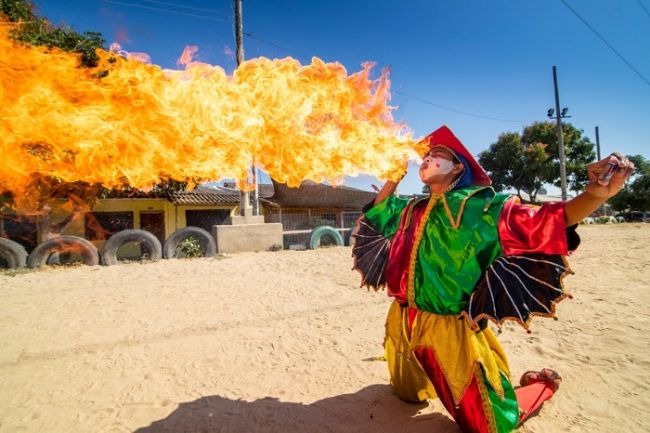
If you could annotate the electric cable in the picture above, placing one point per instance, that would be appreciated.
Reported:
(606, 43)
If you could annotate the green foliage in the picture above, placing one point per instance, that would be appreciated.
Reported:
(513, 164)
(635, 196)
(529, 160)
(39, 31)
(190, 247)
(17, 10)
(578, 150)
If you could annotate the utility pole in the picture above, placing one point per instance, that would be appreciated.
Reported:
(597, 145)
(560, 136)
(239, 30)
(244, 196)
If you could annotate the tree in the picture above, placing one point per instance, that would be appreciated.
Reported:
(578, 151)
(36, 30)
(527, 161)
(515, 165)
(45, 192)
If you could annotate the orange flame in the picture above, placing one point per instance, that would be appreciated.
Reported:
(139, 124)
(188, 54)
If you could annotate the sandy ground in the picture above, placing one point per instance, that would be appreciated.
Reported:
(287, 342)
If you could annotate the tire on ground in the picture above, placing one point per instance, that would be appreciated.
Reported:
(348, 239)
(319, 232)
(63, 244)
(206, 239)
(13, 253)
(145, 238)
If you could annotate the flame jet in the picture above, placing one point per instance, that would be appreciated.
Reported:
(126, 123)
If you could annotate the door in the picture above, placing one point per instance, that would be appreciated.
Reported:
(154, 222)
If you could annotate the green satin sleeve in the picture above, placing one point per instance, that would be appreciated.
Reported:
(385, 216)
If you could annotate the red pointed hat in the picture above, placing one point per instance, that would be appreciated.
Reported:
(443, 136)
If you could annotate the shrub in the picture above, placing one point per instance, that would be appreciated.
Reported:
(606, 220)
(190, 247)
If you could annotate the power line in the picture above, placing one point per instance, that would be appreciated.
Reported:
(280, 47)
(607, 43)
(644, 8)
(178, 5)
(291, 51)
(173, 12)
(454, 110)
(480, 116)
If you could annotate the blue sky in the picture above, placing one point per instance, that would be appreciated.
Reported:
(482, 68)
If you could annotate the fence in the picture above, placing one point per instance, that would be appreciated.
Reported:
(297, 224)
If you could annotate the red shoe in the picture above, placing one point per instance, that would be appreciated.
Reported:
(536, 388)
(550, 377)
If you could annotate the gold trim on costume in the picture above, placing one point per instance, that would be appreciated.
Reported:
(455, 223)
(409, 210)
(416, 243)
(487, 405)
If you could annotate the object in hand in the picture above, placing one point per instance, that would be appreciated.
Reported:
(606, 175)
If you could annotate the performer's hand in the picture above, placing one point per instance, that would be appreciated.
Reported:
(390, 187)
(404, 172)
(397, 175)
(602, 189)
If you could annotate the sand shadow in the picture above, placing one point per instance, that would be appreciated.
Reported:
(373, 409)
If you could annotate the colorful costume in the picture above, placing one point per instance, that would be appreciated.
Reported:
(451, 261)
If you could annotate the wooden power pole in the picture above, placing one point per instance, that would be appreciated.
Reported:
(560, 137)
(597, 145)
(244, 196)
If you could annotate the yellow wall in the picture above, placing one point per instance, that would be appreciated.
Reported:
(174, 215)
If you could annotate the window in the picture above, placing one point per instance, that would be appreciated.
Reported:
(21, 229)
(323, 219)
(205, 219)
(350, 218)
(102, 225)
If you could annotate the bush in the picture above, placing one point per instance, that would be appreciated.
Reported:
(190, 247)
(606, 220)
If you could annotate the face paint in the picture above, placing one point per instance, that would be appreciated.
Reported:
(438, 165)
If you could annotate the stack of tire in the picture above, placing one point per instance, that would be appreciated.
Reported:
(15, 255)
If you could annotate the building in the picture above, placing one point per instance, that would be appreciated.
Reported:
(312, 204)
(298, 209)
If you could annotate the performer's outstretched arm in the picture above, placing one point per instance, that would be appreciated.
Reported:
(387, 190)
(595, 194)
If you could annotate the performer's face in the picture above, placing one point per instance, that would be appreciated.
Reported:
(439, 167)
